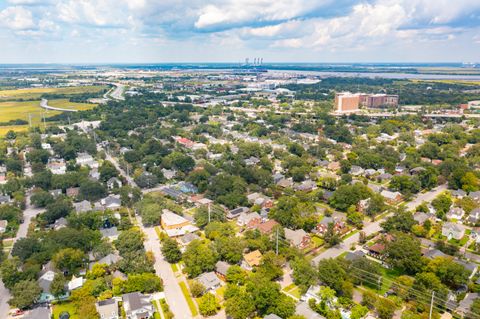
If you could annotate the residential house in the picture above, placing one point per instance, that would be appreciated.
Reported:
(168, 173)
(83, 206)
(56, 192)
(45, 281)
(75, 283)
(187, 239)
(285, 182)
(114, 182)
(356, 170)
(456, 213)
(111, 202)
(458, 193)
(73, 191)
(272, 316)
(312, 293)
(221, 269)
(421, 217)
(245, 218)
(252, 259)
(57, 167)
(108, 260)
(85, 159)
(209, 280)
(351, 256)
(474, 216)
(265, 227)
(137, 306)
(108, 309)
(109, 233)
(433, 253)
(453, 230)
(4, 199)
(60, 223)
(306, 186)
(234, 213)
(298, 238)
(391, 197)
(475, 196)
(3, 225)
(176, 225)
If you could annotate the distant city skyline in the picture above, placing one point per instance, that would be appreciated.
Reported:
(154, 31)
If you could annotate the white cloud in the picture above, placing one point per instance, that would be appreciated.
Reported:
(17, 18)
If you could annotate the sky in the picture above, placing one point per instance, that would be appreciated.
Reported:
(156, 31)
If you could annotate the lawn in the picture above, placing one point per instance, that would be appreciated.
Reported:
(174, 267)
(64, 306)
(190, 302)
(317, 241)
(293, 290)
(220, 292)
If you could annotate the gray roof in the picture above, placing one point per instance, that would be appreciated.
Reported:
(109, 232)
(222, 267)
(189, 237)
(272, 316)
(433, 253)
(209, 280)
(83, 206)
(135, 301)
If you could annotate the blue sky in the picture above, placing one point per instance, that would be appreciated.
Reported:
(115, 31)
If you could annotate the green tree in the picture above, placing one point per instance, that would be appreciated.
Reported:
(385, 308)
(107, 170)
(171, 251)
(442, 204)
(240, 306)
(208, 305)
(58, 286)
(199, 257)
(331, 273)
(24, 294)
(348, 195)
(331, 236)
(92, 190)
(69, 260)
(404, 253)
(41, 198)
(202, 214)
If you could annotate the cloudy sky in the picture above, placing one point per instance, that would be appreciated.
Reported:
(99, 31)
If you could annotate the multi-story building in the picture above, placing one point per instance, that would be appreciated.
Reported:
(347, 102)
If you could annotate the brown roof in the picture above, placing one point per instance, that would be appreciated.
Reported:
(253, 258)
(377, 248)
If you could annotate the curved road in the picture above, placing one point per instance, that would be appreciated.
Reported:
(44, 104)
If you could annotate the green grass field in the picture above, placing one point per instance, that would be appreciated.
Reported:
(190, 302)
(66, 104)
(64, 306)
(36, 93)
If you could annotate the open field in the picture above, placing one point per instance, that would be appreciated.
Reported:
(36, 93)
(16, 128)
(64, 306)
(20, 110)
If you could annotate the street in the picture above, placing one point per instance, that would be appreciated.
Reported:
(173, 293)
(374, 227)
(29, 213)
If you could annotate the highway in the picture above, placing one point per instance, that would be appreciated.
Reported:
(117, 93)
(374, 227)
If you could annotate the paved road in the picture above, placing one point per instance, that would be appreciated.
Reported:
(29, 213)
(115, 163)
(374, 227)
(44, 104)
(117, 93)
(173, 293)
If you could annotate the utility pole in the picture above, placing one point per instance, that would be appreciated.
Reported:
(209, 212)
(276, 244)
(431, 305)
(379, 282)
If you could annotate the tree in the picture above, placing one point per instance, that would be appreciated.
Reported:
(401, 221)
(197, 289)
(331, 236)
(146, 180)
(171, 251)
(68, 259)
(236, 275)
(448, 271)
(404, 253)
(348, 195)
(405, 184)
(129, 241)
(60, 208)
(41, 198)
(202, 214)
(358, 312)
(208, 305)
(376, 205)
(385, 308)
(144, 282)
(442, 204)
(331, 273)
(198, 258)
(107, 170)
(58, 286)
(92, 190)
(229, 249)
(24, 294)
(304, 275)
(474, 310)
(25, 247)
(240, 306)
